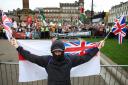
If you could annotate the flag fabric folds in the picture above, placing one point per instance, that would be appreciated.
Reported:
(30, 72)
(120, 28)
(7, 24)
(78, 47)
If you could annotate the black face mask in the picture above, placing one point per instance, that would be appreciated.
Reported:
(58, 58)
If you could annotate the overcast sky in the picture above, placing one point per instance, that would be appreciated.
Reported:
(99, 5)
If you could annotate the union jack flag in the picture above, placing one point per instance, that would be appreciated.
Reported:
(120, 28)
(78, 47)
(7, 24)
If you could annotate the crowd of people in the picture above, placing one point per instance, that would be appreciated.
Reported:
(36, 30)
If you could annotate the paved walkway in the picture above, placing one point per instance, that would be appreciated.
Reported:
(7, 52)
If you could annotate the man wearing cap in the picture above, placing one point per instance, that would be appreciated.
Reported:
(58, 65)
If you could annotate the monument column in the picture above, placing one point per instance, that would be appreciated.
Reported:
(25, 11)
(25, 4)
(25, 7)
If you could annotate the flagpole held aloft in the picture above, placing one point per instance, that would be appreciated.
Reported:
(107, 36)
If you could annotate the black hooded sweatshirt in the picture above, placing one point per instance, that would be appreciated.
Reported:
(58, 71)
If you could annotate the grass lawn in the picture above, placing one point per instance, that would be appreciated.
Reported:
(117, 53)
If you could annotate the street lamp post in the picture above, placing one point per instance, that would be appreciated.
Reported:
(91, 12)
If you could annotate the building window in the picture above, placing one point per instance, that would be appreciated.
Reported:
(63, 10)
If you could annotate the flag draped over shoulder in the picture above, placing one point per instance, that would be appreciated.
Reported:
(30, 72)
(120, 28)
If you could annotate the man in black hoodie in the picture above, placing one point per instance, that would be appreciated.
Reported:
(58, 65)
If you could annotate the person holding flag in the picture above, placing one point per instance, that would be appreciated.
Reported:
(58, 65)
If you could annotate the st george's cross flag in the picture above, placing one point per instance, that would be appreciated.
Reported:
(31, 72)
(120, 28)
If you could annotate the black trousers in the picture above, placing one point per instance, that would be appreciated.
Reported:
(59, 82)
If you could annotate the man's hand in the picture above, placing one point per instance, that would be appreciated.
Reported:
(13, 42)
(101, 44)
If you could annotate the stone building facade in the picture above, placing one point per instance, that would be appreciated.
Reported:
(67, 12)
(117, 11)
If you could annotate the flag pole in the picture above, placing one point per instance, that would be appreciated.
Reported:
(107, 36)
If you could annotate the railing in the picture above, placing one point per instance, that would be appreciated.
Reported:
(110, 75)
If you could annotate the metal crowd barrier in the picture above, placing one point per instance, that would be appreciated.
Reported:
(110, 75)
